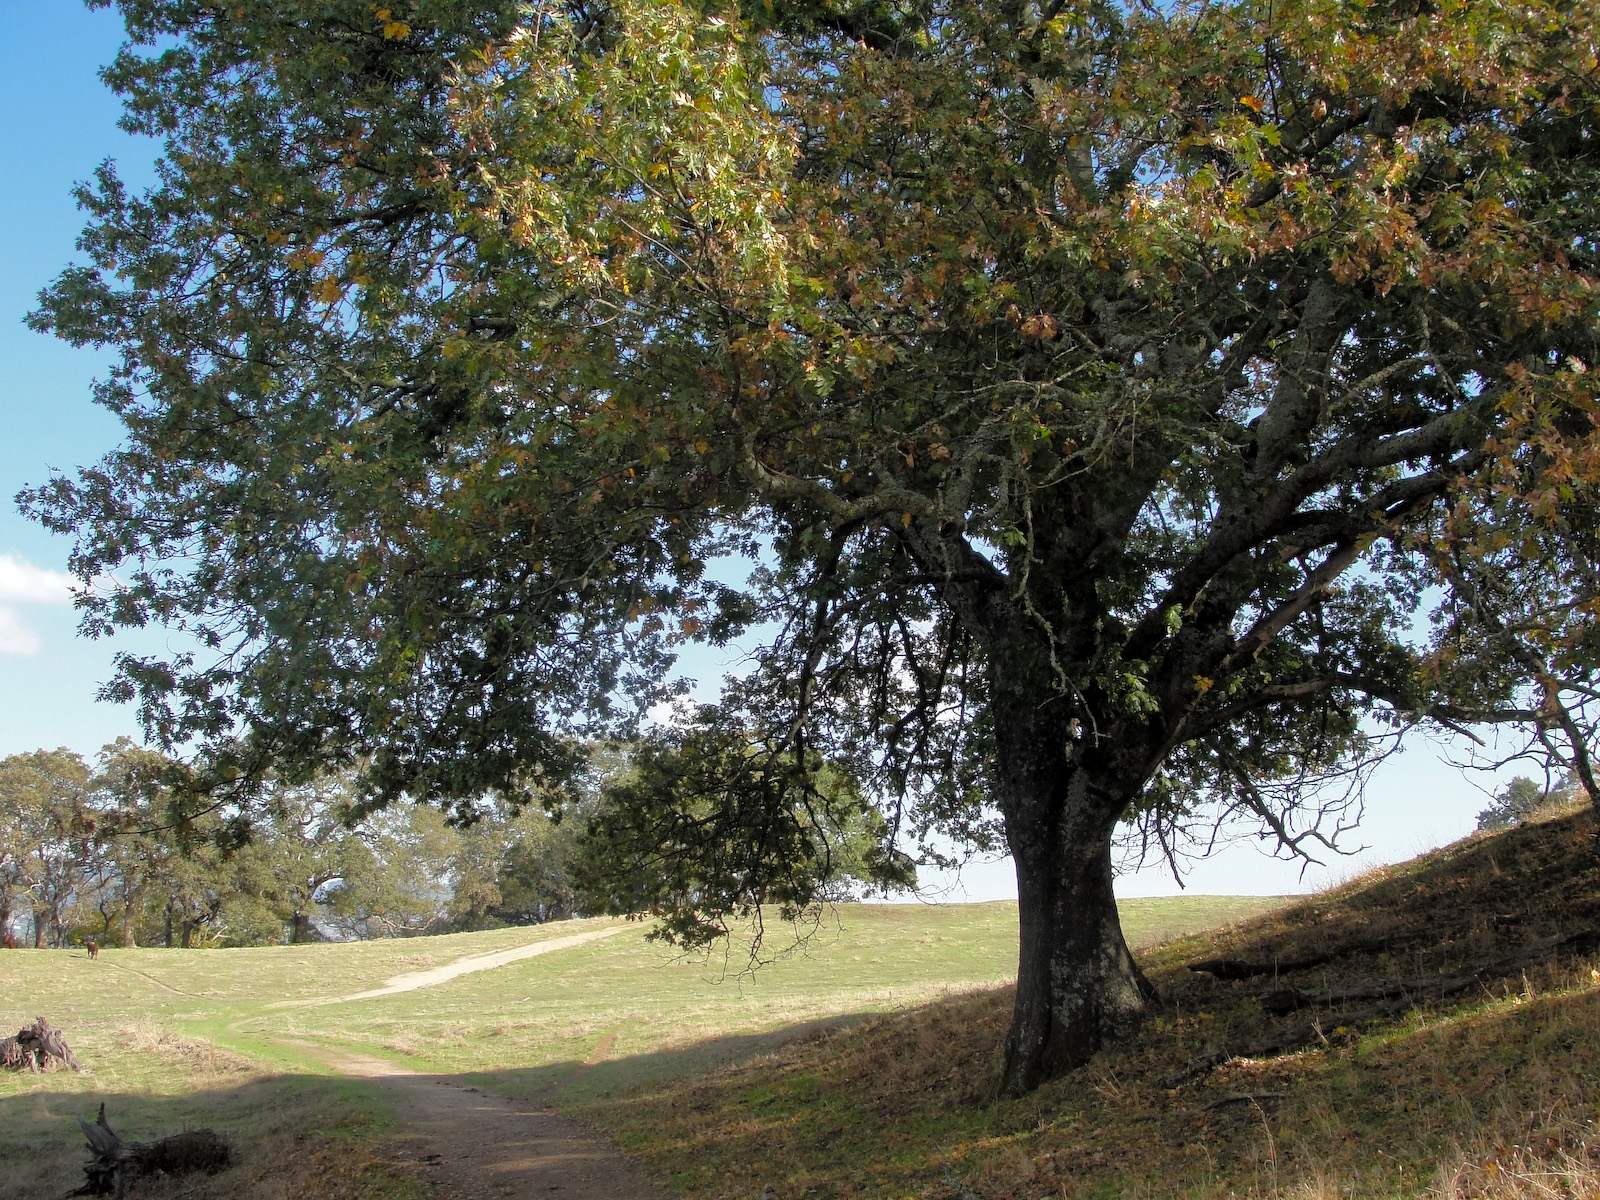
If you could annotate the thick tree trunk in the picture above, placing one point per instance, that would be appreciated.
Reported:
(1078, 988)
(41, 927)
(299, 928)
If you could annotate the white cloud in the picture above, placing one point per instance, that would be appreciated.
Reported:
(23, 583)
(15, 637)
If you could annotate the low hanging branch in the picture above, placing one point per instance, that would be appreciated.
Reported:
(39, 1047)
(117, 1165)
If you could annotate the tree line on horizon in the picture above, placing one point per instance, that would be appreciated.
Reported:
(90, 851)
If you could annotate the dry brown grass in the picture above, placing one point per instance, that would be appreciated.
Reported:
(1493, 1094)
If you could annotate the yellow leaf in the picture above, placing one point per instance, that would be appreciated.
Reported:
(1251, 103)
(395, 30)
(905, 519)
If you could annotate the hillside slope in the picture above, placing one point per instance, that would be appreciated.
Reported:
(1472, 1073)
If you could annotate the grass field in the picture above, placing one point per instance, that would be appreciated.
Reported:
(174, 1037)
(864, 1063)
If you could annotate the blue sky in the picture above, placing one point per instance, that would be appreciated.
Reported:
(59, 123)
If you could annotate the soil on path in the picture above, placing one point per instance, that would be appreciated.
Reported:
(462, 966)
(468, 1144)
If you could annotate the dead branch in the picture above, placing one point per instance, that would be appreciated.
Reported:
(1238, 968)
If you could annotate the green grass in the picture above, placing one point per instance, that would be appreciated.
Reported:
(864, 1062)
(1492, 1094)
(174, 1036)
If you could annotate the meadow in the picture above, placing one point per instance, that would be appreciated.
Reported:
(225, 1037)
(864, 1062)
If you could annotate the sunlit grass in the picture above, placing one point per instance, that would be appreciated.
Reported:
(174, 1037)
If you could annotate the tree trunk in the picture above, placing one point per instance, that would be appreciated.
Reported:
(299, 928)
(1078, 988)
(168, 931)
(41, 927)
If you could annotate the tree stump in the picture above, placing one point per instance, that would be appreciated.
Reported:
(117, 1164)
(39, 1047)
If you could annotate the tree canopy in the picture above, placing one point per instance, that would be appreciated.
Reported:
(1132, 410)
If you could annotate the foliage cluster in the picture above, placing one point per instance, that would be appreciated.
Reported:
(1523, 799)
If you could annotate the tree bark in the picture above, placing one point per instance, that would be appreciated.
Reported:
(1078, 988)
(41, 927)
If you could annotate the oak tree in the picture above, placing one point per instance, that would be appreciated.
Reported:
(1132, 410)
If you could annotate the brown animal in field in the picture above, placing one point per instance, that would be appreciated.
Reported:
(92, 946)
(9, 941)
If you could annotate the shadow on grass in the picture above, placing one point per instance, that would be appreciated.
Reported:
(571, 1082)
(278, 1126)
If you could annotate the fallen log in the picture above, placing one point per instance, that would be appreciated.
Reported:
(1239, 968)
(39, 1047)
(1287, 1000)
(117, 1165)
(1243, 968)
(1396, 996)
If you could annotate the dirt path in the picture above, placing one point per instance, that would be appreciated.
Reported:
(462, 966)
(468, 1144)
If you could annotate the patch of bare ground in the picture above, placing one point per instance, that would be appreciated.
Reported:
(463, 1142)
(1489, 1090)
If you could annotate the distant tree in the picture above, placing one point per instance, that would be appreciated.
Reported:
(302, 845)
(131, 835)
(1523, 798)
(692, 828)
(13, 864)
(536, 875)
(1105, 389)
(398, 881)
(44, 801)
